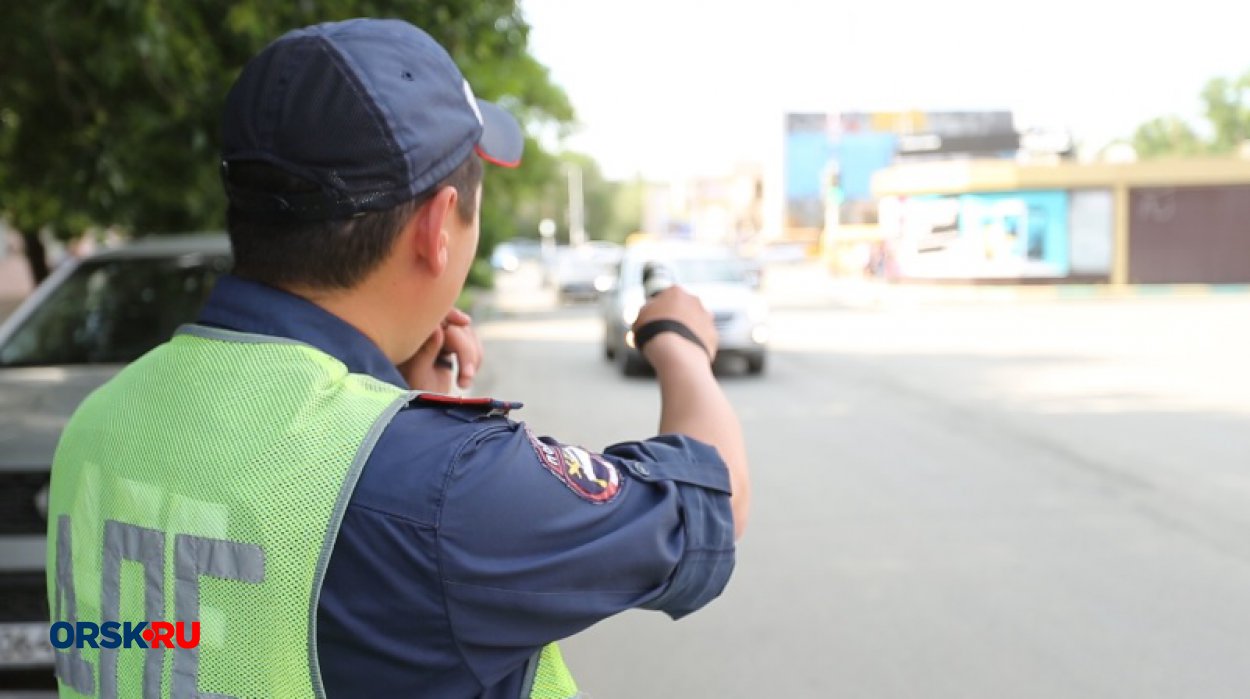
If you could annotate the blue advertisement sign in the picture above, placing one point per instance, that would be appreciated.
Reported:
(985, 235)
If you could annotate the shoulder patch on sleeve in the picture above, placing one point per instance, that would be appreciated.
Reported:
(590, 476)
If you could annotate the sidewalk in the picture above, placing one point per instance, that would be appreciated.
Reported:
(809, 285)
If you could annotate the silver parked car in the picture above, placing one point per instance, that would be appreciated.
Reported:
(725, 284)
(79, 328)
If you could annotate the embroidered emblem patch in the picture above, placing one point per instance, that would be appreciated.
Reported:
(590, 476)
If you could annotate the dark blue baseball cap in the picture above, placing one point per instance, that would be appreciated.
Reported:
(370, 113)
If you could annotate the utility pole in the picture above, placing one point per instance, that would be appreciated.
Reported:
(577, 225)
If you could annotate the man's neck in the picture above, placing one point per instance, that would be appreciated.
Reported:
(371, 312)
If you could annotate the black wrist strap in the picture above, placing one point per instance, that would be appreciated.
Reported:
(648, 331)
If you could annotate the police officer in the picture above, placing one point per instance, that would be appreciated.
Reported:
(289, 472)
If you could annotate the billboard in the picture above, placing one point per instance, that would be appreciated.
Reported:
(830, 158)
(808, 151)
(1001, 235)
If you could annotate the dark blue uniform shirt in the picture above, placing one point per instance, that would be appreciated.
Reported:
(469, 544)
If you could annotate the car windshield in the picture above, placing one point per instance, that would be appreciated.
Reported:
(708, 270)
(114, 310)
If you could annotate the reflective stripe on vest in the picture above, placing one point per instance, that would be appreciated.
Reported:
(206, 483)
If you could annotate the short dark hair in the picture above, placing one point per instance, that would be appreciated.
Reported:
(334, 254)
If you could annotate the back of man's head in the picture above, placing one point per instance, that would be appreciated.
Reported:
(328, 254)
(335, 135)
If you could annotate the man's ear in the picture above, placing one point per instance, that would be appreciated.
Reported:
(429, 230)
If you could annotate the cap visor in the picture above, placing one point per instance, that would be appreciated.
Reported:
(502, 141)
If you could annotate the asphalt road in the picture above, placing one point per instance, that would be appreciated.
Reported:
(965, 500)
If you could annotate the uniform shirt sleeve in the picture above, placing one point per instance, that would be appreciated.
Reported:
(539, 540)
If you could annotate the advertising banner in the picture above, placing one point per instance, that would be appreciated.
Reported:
(984, 236)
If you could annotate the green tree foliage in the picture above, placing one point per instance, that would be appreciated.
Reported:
(629, 203)
(1228, 110)
(598, 196)
(1226, 103)
(1167, 136)
(612, 210)
(109, 110)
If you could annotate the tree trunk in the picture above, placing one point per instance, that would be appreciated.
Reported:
(36, 256)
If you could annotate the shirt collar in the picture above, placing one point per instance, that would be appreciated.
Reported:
(251, 307)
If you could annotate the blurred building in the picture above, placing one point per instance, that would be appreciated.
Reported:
(657, 208)
(830, 158)
(1180, 221)
(724, 209)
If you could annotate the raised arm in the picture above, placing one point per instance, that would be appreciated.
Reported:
(692, 402)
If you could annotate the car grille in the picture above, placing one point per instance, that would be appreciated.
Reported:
(23, 597)
(19, 513)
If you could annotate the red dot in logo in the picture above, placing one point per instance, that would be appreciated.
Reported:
(148, 635)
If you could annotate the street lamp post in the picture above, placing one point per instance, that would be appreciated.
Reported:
(547, 233)
(577, 225)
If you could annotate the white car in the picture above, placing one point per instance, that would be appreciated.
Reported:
(725, 284)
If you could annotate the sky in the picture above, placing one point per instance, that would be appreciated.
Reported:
(680, 88)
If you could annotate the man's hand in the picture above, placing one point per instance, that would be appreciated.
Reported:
(432, 368)
(675, 303)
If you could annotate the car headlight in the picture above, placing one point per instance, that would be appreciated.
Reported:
(757, 311)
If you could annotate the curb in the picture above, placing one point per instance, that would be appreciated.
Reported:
(874, 294)
(1070, 292)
